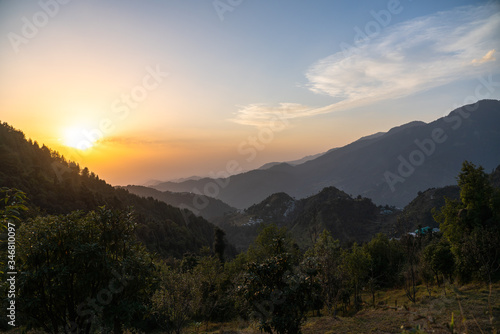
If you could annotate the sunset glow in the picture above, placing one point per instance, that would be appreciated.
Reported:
(77, 138)
(170, 89)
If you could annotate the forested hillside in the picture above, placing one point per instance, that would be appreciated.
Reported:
(55, 186)
(347, 219)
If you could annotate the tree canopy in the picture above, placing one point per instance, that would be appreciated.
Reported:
(82, 271)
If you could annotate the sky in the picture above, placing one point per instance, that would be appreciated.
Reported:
(159, 90)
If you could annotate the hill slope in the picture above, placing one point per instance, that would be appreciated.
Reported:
(55, 186)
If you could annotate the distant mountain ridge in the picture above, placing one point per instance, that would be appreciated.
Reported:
(212, 207)
(390, 168)
(373, 136)
(295, 162)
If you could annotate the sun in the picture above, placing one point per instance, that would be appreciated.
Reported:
(79, 138)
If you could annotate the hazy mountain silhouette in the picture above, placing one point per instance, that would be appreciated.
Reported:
(212, 207)
(390, 168)
(295, 162)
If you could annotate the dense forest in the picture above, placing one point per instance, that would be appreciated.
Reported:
(90, 258)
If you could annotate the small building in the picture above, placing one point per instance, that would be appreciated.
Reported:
(424, 231)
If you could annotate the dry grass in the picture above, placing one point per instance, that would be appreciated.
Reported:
(431, 314)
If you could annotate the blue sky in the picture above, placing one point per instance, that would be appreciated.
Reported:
(333, 71)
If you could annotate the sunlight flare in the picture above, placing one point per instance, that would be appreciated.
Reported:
(79, 138)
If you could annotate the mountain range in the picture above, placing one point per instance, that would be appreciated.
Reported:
(389, 168)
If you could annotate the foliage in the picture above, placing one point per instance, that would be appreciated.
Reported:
(387, 259)
(12, 204)
(357, 265)
(219, 243)
(265, 245)
(412, 247)
(277, 292)
(82, 271)
(174, 304)
(215, 290)
(483, 253)
(439, 259)
(327, 255)
(472, 225)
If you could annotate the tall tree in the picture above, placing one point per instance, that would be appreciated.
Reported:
(328, 257)
(215, 290)
(412, 248)
(472, 224)
(357, 264)
(264, 246)
(278, 293)
(386, 260)
(176, 301)
(219, 243)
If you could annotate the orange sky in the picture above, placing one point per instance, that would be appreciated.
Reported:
(163, 90)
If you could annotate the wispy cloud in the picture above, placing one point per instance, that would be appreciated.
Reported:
(403, 59)
(261, 114)
(486, 58)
